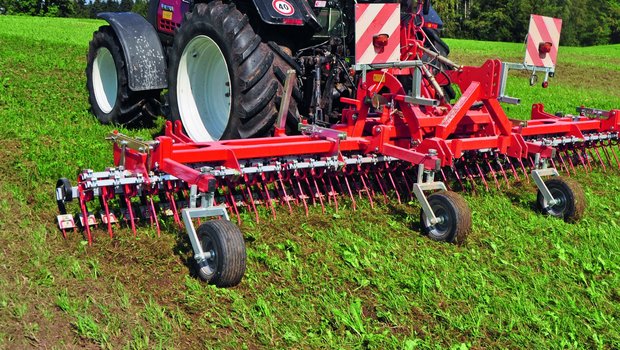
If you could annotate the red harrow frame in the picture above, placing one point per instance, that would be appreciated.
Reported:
(388, 143)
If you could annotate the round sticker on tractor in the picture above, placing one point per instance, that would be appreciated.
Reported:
(283, 7)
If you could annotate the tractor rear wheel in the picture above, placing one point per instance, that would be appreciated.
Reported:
(111, 100)
(222, 78)
(454, 218)
(224, 241)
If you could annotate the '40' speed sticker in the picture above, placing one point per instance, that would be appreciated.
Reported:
(283, 7)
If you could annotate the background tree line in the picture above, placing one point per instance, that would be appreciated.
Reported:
(586, 22)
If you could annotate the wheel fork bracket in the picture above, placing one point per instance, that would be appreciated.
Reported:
(537, 175)
(207, 209)
(427, 184)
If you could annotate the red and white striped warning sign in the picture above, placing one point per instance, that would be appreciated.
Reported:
(377, 33)
(543, 41)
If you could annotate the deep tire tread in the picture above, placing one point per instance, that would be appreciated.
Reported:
(230, 251)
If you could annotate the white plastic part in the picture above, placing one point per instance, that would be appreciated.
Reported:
(204, 90)
(105, 80)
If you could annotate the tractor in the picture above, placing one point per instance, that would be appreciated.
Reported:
(224, 64)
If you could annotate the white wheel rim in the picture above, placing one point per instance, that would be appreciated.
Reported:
(105, 80)
(203, 90)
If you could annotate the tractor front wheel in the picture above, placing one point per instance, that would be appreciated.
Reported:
(111, 100)
(570, 199)
(224, 241)
(454, 218)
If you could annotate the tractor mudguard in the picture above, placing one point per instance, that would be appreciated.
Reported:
(144, 54)
(287, 12)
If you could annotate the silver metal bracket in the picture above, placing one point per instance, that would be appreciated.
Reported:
(537, 175)
(506, 67)
(427, 184)
(206, 210)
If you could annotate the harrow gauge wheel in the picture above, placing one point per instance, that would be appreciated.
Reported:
(453, 214)
(570, 199)
(224, 241)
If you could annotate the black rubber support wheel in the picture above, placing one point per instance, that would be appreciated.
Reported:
(569, 193)
(111, 100)
(66, 193)
(225, 241)
(455, 216)
(222, 77)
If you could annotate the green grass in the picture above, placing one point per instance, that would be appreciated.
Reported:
(352, 279)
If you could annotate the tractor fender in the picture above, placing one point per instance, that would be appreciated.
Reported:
(144, 54)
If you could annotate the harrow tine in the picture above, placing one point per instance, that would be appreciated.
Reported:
(493, 173)
(586, 156)
(302, 196)
(501, 167)
(458, 177)
(394, 185)
(607, 156)
(470, 177)
(381, 187)
(318, 194)
(613, 151)
(84, 220)
(108, 218)
(367, 190)
(484, 180)
(286, 198)
(564, 163)
(332, 192)
(570, 162)
(311, 195)
(583, 163)
(407, 187)
(346, 180)
(233, 203)
(445, 180)
(512, 167)
(527, 178)
(252, 204)
(154, 214)
(173, 206)
(268, 198)
(600, 159)
(132, 222)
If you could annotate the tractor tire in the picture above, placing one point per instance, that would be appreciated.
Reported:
(225, 241)
(222, 78)
(111, 100)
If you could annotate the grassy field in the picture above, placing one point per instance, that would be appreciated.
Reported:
(352, 279)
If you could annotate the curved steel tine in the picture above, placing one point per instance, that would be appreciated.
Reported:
(286, 198)
(512, 167)
(85, 223)
(613, 151)
(318, 194)
(501, 167)
(484, 180)
(153, 214)
(303, 197)
(527, 178)
(346, 180)
(268, 198)
(394, 186)
(252, 204)
(559, 154)
(470, 177)
(332, 191)
(381, 187)
(232, 202)
(600, 159)
(570, 162)
(367, 190)
(310, 190)
(492, 173)
(407, 187)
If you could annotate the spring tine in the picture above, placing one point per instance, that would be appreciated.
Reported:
(407, 187)
(318, 194)
(598, 154)
(131, 217)
(501, 167)
(512, 167)
(564, 163)
(252, 204)
(303, 197)
(269, 202)
(527, 178)
(154, 218)
(583, 163)
(457, 176)
(346, 180)
(470, 178)
(604, 148)
(586, 156)
(493, 173)
(367, 190)
(286, 197)
(85, 219)
(484, 180)
(173, 206)
(310, 190)
(613, 151)
(394, 185)
(332, 192)
(106, 209)
(381, 187)
(233, 203)
(570, 162)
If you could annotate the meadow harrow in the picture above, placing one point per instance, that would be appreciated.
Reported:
(388, 143)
